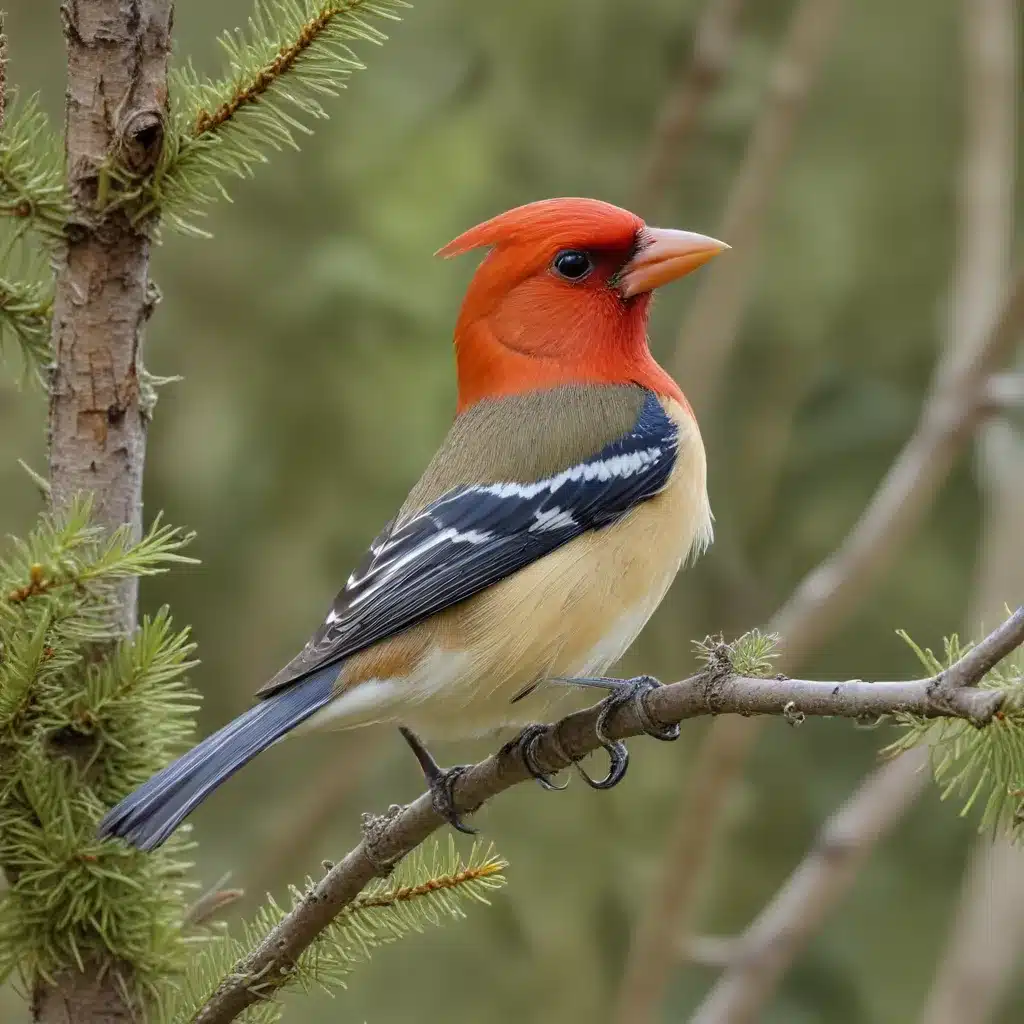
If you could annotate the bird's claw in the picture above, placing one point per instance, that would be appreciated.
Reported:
(441, 782)
(634, 691)
(525, 743)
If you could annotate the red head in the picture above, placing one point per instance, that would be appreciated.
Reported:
(563, 297)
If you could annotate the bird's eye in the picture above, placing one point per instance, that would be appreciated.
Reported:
(572, 264)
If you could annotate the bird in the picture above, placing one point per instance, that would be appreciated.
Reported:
(569, 491)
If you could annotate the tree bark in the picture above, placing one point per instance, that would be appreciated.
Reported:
(116, 103)
(115, 113)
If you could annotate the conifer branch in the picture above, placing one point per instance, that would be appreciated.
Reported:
(25, 311)
(294, 54)
(86, 713)
(33, 193)
(717, 689)
(426, 889)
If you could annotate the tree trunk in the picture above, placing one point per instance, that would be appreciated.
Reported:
(116, 111)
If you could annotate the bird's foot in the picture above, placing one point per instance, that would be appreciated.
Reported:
(633, 691)
(441, 782)
(526, 741)
(623, 691)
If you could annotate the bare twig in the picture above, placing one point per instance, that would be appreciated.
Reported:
(767, 947)
(211, 904)
(709, 331)
(3, 68)
(710, 950)
(715, 690)
(987, 932)
(713, 42)
(1005, 393)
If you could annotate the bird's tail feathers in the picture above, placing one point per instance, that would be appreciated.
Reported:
(147, 817)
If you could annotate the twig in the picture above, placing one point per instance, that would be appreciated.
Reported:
(709, 331)
(3, 68)
(987, 931)
(713, 41)
(710, 950)
(1005, 393)
(211, 904)
(766, 948)
(715, 690)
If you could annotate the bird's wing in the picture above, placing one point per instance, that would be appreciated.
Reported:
(474, 535)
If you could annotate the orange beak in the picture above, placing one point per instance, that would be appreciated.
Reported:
(663, 256)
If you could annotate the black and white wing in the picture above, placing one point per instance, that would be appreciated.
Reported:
(475, 535)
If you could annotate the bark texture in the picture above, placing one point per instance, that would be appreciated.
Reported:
(115, 113)
(116, 110)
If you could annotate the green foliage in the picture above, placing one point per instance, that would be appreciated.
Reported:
(751, 654)
(425, 889)
(25, 308)
(86, 715)
(294, 54)
(981, 766)
(33, 198)
(32, 190)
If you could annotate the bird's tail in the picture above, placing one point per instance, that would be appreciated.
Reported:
(149, 815)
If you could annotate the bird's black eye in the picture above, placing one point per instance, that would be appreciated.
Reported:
(572, 264)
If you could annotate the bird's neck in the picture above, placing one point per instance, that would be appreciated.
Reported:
(490, 367)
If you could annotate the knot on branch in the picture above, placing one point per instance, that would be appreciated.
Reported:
(375, 829)
(139, 140)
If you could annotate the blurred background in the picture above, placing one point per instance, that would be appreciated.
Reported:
(313, 336)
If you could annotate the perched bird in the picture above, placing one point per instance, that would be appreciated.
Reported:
(543, 534)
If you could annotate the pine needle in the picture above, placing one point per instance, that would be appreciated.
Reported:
(983, 767)
(426, 889)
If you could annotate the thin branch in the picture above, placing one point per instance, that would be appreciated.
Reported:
(715, 690)
(713, 42)
(709, 331)
(1005, 393)
(986, 935)
(768, 946)
(3, 68)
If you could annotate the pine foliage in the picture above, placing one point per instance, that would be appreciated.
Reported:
(33, 209)
(85, 716)
(292, 56)
(425, 889)
(984, 767)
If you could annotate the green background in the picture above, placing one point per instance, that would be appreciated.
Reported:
(313, 335)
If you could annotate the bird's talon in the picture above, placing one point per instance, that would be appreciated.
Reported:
(442, 797)
(441, 782)
(524, 743)
(618, 758)
(635, 691)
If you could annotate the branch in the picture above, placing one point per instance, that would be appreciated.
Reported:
(676, 122)
(25, 310)
(715, 690)
(711, 326)
(768, 946)
(293, 55)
